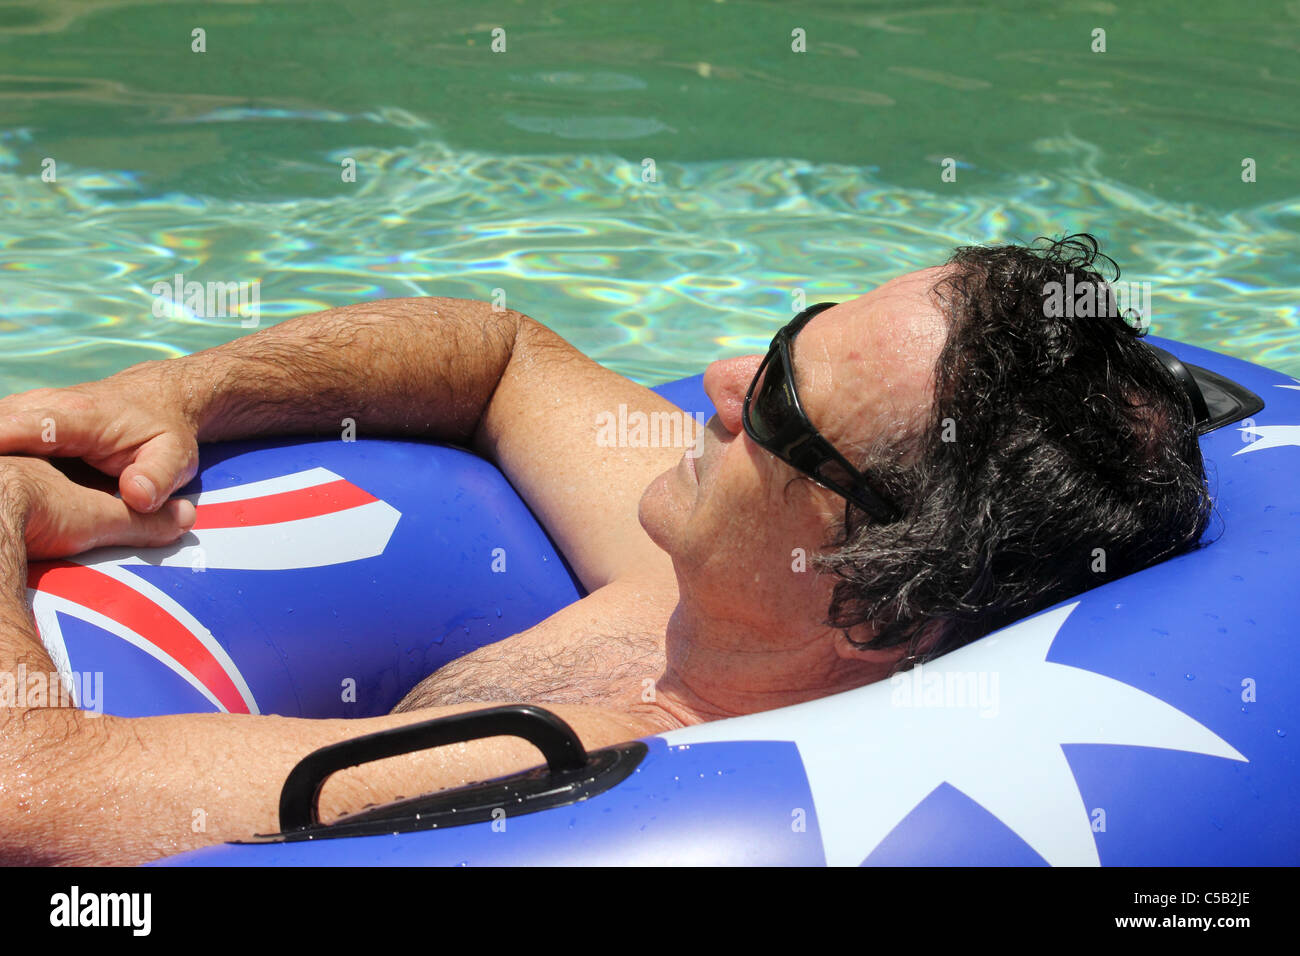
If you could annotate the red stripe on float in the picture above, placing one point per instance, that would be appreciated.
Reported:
(310, 502)
(110, 597)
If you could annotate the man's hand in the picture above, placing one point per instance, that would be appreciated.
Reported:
(130, 426)
(64, 518)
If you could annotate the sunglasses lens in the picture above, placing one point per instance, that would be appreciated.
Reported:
(771, 411)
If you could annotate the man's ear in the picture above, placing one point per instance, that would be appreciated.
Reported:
(928, 640)
(849, 651)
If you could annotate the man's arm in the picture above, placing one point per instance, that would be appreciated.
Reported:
(422, 367)
(85, 790)
(78, 788)
(442, 369)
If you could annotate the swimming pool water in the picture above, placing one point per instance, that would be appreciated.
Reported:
(523, 170)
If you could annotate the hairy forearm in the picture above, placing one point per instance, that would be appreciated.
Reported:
(19, 643)
(26, 753)
(421, 367)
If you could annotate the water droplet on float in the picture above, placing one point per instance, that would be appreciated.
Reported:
(1281, 733)
(1190, 676)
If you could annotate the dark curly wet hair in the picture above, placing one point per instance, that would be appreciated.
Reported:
(1064, 435)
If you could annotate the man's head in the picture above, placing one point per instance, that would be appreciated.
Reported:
(741, 525)
(1033, 456)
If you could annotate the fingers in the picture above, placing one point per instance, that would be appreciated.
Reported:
(122, 526)
(161, 465)
(70, 423)
(73, 519)
(48, 422)
(178, 517)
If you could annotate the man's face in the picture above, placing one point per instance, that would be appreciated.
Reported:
(732, 526)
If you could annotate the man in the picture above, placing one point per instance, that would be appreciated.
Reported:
(971, 454)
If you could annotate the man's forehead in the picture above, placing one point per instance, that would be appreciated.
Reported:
(900, 316)
(898, 299)
(876, 353)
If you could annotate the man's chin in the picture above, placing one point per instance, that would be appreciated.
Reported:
(658, 511)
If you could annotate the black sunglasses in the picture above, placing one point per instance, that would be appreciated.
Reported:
(776, 421)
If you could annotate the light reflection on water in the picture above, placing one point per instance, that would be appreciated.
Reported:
(652, 279)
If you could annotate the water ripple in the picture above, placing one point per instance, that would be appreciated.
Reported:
(654, 279)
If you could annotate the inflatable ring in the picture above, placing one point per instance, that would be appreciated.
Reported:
(1144, 722)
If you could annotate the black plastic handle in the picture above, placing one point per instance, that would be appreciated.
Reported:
(541, 728)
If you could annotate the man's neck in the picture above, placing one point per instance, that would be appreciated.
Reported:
(720, 668)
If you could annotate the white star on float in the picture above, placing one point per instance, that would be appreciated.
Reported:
(1269, 436)
(872, 755)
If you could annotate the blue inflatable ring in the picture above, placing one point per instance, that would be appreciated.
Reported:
(1147, 722)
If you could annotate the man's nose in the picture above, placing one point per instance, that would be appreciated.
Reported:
(726, 382)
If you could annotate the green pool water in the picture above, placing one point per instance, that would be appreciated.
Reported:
(522, 170)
